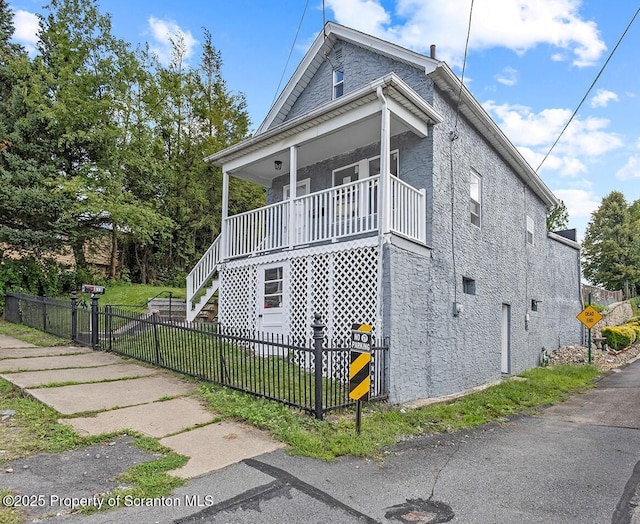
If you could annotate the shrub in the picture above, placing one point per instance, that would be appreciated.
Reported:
(599, 308)
(635, 327)
(619, 337)
(36, 277)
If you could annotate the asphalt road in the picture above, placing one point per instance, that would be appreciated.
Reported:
(577, 462)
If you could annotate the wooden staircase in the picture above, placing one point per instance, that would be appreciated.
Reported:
(203, 282)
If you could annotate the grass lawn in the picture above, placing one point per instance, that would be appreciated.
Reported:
(33, 336)
(384, 425)
(134, 294)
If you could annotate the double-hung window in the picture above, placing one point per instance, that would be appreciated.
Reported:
(475, 199)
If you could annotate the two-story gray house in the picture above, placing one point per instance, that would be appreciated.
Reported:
(393, 200)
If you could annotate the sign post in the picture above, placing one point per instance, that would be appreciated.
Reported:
(360, 367)
(589, 316)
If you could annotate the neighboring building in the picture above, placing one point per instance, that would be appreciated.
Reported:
(394, 200)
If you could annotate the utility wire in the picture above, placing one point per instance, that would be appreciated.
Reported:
(589, 90)
(291, 50)
(453, 136)
(464, 65)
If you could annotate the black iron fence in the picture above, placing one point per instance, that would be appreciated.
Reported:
(313, 376)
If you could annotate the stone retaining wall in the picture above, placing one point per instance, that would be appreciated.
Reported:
(618, 313)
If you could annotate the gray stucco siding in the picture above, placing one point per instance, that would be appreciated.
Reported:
(361, 67)
(505, 268)
(406, 285)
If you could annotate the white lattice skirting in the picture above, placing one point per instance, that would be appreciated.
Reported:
(339, 281)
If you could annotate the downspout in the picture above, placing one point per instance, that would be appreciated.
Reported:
(382, 209)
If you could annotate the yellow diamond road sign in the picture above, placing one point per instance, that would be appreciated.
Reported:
(589, 317)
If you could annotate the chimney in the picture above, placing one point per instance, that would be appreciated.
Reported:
(432, 54)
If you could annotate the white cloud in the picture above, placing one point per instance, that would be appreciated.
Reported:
(631, 170)
(603, 97)
(27, 26)
(508, 76)
(518, 25)
(580, 202)
(163, 33)
(537, 132)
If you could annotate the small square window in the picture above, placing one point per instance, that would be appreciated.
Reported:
(338, 83)
(468, 286)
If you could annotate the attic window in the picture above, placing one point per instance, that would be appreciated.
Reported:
(338, 83)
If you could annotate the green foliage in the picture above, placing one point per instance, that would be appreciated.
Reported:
(557, 217)
(37, 277)
(599, 307)
(611, 247)
(619, 337)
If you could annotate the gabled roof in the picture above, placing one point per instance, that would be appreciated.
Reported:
(438, 71)
(316, 55)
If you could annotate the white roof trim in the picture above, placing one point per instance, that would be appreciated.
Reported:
(563, 240)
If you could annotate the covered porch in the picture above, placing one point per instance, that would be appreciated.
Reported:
(316, 206)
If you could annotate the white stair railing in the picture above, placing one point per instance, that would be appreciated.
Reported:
(202, 273)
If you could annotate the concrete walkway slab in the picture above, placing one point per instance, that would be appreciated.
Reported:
(9, 342)
(157, 419)
(42, 352)
(30, 379)
(86, 360)
(68, 400)
(217, 446)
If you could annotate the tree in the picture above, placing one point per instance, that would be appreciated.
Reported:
(94, 82)
(611, 257)
(31, 203)
(557, 217)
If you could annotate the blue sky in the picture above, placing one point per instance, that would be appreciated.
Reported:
(530, 62)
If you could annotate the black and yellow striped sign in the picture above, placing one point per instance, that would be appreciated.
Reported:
(359, 375)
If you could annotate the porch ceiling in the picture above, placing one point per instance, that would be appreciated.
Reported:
(353, 136)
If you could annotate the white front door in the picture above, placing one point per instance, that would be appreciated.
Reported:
(272, 298)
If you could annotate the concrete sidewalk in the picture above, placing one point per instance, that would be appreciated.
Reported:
(98, 392)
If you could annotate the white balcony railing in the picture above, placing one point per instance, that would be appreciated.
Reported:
(408, 210)
(342, 211)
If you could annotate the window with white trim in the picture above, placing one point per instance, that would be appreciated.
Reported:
(338, 83)
(475, 199)
(530, 230)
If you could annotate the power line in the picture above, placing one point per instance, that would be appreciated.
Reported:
(291, 50)
(589, 90)
(464, 65)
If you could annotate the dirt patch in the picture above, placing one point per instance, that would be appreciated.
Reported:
(57, 484)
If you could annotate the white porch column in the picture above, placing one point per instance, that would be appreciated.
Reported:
(385, 162)
(293, 168)
(224, 241)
